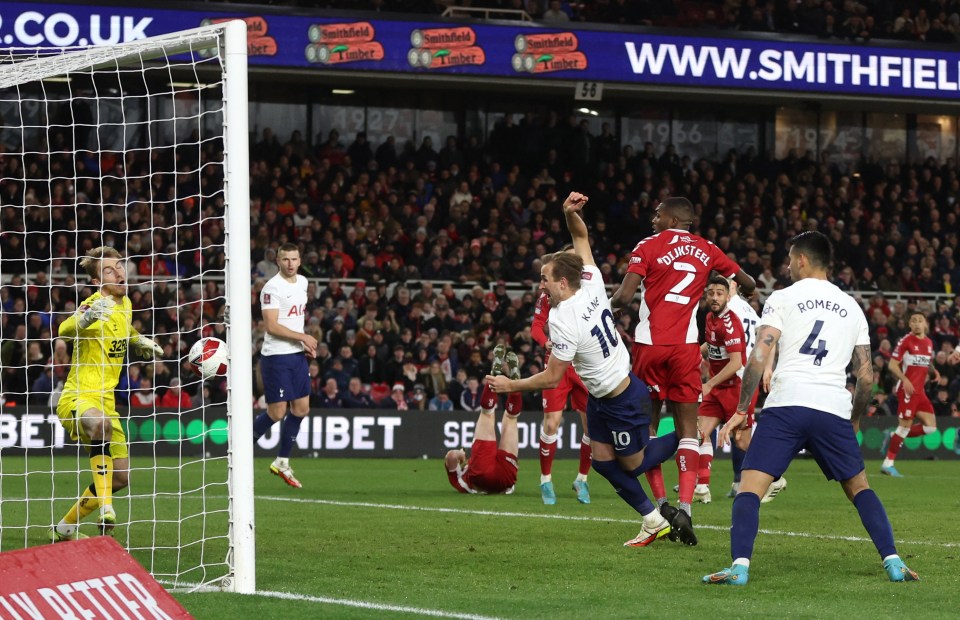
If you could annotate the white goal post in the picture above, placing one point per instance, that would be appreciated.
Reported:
(141, 146)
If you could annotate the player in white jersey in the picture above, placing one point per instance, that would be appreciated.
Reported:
(283, 366)
(820, 330)
(583, 333)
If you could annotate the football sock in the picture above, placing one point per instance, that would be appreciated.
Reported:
(548, 449)
(514, 404)
(488, 398)
(655, 480)
(706, 461)
(289, 429)
(874, 518)
(101, 464)
(919, 430)
(736, 456)
(657, 451)
(746, 524)
(585, 455)
(626, 486)
(261, 424)
(87, 503)
(896, 442)
(688, 460)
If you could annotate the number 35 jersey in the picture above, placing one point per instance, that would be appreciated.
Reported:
(819, 326)
(583, 332)
(675, 266)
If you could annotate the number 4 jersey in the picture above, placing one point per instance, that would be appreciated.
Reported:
(583, 331)
(675, 266)
(819, 326)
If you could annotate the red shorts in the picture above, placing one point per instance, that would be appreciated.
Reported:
(490, 469)
(722, 403)
(570, 385)
(908, 407)
(672, 372)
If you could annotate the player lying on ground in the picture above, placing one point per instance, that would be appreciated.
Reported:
(100, 331)
(491, 468)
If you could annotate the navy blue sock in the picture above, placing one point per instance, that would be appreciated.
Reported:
(656, 452)
(261, 425)
(626, 485)
(746, 524)
(736, 454)
(875, 520)
(289, 429)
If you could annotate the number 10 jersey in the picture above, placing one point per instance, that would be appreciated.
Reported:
(675, 266)
(583, 332)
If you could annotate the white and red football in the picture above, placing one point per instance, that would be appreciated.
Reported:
(209, 357)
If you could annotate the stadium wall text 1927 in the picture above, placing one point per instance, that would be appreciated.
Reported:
(364, 433)
(329, 41)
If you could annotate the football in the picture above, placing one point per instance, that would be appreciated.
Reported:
(209, 357)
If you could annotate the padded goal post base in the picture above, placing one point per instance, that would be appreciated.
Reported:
(83, 579)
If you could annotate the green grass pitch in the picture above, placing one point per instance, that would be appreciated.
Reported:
(392, 539)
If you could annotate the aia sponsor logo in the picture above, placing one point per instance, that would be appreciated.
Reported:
(546, 53)
(440, 48)
(334, 44)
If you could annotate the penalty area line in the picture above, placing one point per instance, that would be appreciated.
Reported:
(532, 515)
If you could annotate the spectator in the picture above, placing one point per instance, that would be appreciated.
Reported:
(330, 396)
(440, 402)
(470, 397)
(397, 399)
(175, 398)
(356, 398)
(145, 396)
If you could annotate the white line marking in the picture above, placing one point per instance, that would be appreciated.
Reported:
(530, 515)
(326, 600)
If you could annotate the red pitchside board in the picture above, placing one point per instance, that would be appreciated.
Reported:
(92, 578)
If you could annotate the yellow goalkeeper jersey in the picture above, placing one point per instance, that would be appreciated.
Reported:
(98, 354)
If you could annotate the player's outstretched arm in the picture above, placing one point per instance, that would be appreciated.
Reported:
(547, 379)
(863, 370)
(145, 347)
(577, 227)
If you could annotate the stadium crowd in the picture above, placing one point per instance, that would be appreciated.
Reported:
(378, 224)
(933, 21)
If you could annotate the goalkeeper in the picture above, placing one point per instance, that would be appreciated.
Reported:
(101, 331)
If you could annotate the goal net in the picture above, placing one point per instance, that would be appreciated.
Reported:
(141, 147)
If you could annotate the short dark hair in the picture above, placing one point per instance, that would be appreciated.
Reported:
(679, 207)
(719, 281)
(815, 246)
(917, 311)
(568, 266)
(288, 247)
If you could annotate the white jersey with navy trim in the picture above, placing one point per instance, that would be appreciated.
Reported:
(290, 298)
(750, 319)
(584, 332)
(819, 325)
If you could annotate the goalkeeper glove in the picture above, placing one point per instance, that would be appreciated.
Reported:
(99, 310)
(146, 348)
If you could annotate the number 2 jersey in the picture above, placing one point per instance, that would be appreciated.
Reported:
(915, 355)
(675, 266)
(819, 325)
(583, 332)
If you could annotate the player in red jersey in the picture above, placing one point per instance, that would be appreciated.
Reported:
(554, 402)
(492, 468)
(673, 266)
(912, 363)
